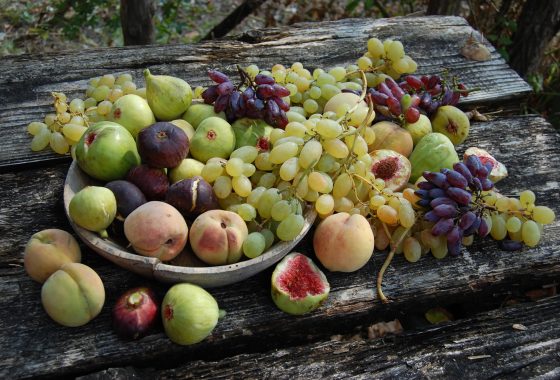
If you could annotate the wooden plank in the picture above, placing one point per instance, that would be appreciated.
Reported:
(515, 342)
(32, 343)
(434, 42)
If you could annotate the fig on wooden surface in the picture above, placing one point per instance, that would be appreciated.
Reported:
(298, 285)
(135, 313)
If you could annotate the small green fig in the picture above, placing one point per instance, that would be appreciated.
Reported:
(197, 112)
(214, 137)
(452, 122)
(189, 313)
(132, 112)
(93, 208)
(168, 96)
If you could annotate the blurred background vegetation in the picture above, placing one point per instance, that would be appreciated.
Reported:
(45, 26)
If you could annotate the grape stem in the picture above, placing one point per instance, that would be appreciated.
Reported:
(387, 262)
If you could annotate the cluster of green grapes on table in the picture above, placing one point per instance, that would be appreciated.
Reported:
(62, 129)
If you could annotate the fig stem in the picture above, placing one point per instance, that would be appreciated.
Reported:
(388, 260)
(221, 313)
(134, 299)
(104, 234)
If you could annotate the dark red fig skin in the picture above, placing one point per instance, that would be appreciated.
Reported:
(128, 195)
(135, 313)
(162, 145)
(151, 181)
(192, 197)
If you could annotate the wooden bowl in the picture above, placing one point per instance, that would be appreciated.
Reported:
(186, 267)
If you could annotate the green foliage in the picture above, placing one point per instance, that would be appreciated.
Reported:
(501, 35)
(546, 98)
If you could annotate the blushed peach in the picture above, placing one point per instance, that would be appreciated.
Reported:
(217, 237)
(156, 229)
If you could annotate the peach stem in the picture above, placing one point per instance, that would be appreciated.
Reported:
(386, 265)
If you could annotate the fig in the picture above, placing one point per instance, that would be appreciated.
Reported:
(156, 229)
(192, 197)
(151, 181)
(498, 172)
(214, 137)
(197, 112)
(73, 295)
(162, 145)
(452, 122)
(47, 250)
(189, 313)
(298, 286)
(129, 197)
(106, 151)
(419, 129)
(391, 167)
(188, 168)
(93, 208)
(391, 136)
(433, 152)
(168, 96)
(132, 112)
(185, 126)
(251, 132)
(135, 313)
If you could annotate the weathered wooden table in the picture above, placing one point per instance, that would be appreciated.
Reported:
(255, 339)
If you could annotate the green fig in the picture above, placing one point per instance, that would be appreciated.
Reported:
(132, 112)
(197, 112)
(252, 132)
(168, 97)
(452, 122)
(93, 208)
(419, 129)
(214, 137)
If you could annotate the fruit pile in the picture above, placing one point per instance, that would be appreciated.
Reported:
(370, 147)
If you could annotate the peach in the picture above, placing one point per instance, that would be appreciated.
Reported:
(343, 242)
(48, 250)
(156, 229)
(391, 136)
(73, 295)
(217, 237)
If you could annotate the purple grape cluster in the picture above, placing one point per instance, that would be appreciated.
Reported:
(414, 96)
(448, 198)
(261, 99)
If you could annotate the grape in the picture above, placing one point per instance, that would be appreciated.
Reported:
(254, 245)
(77, 106)
(406, 215)
(289, 228)
(281, 210)
(543, 215)
(73, 131)
(328, 129)
(100, 93)
(324, 204)
(530, 233)
(412, 249)
(527, 197)
(58, 143)
(445, 211)
(211, 171)
(442, 227)
(41, 140)
(247, 153)
(35, 127)
(310, 153)
(222, 186)
(241, 185)
(498, 229)
(387, 215)
(104, 107)
(320, 182)
(247, 212)
(289, 169)
(283, 152)
(267, 180)
(262, 162)
(106, 80)
(90, 102)
(513, 224)
(64, 117)
(253, 198)
(295, 129)
(266, 201)
(511, 245)
(460, 196)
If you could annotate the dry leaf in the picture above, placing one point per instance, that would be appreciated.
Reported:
(476, 357)
(381, 329)
(475, 50)
(438, 315)
(518, 326)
